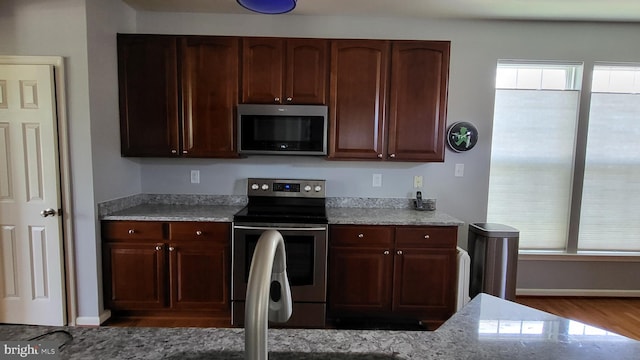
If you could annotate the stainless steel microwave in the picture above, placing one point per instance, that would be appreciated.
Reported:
(282, 129)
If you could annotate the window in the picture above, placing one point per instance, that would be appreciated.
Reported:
(534, 126)
(611, 189)
(535, 148)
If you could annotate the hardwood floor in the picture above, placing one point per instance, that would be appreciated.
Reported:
(619, 315)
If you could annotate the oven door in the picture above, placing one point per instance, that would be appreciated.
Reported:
(306, 250)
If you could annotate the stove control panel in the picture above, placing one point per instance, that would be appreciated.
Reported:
(286, 187)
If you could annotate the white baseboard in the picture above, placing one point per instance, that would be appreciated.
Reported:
(93, 320)
(578, 292)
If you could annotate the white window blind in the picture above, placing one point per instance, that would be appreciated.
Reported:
(611, 192)
(533, 150)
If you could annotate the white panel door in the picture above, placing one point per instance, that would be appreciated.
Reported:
(31, 252)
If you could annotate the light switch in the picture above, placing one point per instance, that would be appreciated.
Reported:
(459, 172)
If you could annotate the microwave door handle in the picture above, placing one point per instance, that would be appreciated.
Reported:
(242, 227)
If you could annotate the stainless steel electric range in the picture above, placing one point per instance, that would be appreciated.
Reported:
(296, 208)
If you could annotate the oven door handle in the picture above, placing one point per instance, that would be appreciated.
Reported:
(242, 227)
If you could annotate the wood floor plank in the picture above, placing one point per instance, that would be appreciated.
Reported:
(619, 315)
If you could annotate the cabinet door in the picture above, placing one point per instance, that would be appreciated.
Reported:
(359, 280)
(200, 275)
(306, 71)
(134, 275)
(147, 75)
(209, 94)
(424, 282)
(262, 70)
(200, 265)
(358, 90)
(418, 100)
(360, 269)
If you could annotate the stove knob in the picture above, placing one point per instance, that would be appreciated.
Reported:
(307, 188)
(255, 187)
(265, 187)
(318, 188)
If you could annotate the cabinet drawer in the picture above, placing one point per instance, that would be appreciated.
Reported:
(205, 231)
(137, 230)
(427, 236)
(361, 236)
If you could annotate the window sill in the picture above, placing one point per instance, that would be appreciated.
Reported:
(609, 256)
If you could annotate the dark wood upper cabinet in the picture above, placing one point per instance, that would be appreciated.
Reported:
(209, 95)
(147, 66)
(402, 119)
(158, 72)
(358, 92)
(284, 71)
(418, 100)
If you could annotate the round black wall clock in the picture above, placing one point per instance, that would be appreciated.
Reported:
(462, 136)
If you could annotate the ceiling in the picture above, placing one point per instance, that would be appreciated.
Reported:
(552, 10)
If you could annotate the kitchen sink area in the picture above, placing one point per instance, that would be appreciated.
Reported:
(486, 328)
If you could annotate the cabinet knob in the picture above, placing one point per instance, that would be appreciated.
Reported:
(386, 252)
(171, 248)
(392, 156)
(131, 231)
(185, 152)
(198, 232)
(289, 99)
(361, 235)
(426, 236)
(174, 151)
(158, 247)
(277, 99)
(379, 156)
(399, 252)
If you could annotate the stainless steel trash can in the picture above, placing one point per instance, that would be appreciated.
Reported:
(493, 249)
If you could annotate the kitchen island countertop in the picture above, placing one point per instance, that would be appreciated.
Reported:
(487, 328)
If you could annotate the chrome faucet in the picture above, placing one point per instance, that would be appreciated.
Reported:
(268, 293)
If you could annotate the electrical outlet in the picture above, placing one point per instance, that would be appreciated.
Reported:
(417, 182)
(459, 172)
(195, 176)
(377, 180)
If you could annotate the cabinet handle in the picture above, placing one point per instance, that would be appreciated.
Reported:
(386, 252)
(392, 156)
(171, 248)
(426, 236)
(399, 252)
(174, 151)
(185, 152)
(361, 235)
(379, 156)
(131, 231)
(158, 247)
(198, 232)
(289, 99)
(277, 99)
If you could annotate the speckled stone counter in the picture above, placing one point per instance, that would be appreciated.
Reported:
(487, 328)
(221, 208)
(389, 216)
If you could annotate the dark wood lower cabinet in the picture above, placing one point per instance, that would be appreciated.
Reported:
(167, 269)
(403, 273)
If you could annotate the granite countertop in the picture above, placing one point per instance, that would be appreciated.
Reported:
(339, 211)
(487, 328)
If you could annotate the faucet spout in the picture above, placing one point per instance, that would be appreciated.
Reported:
(268, 293)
